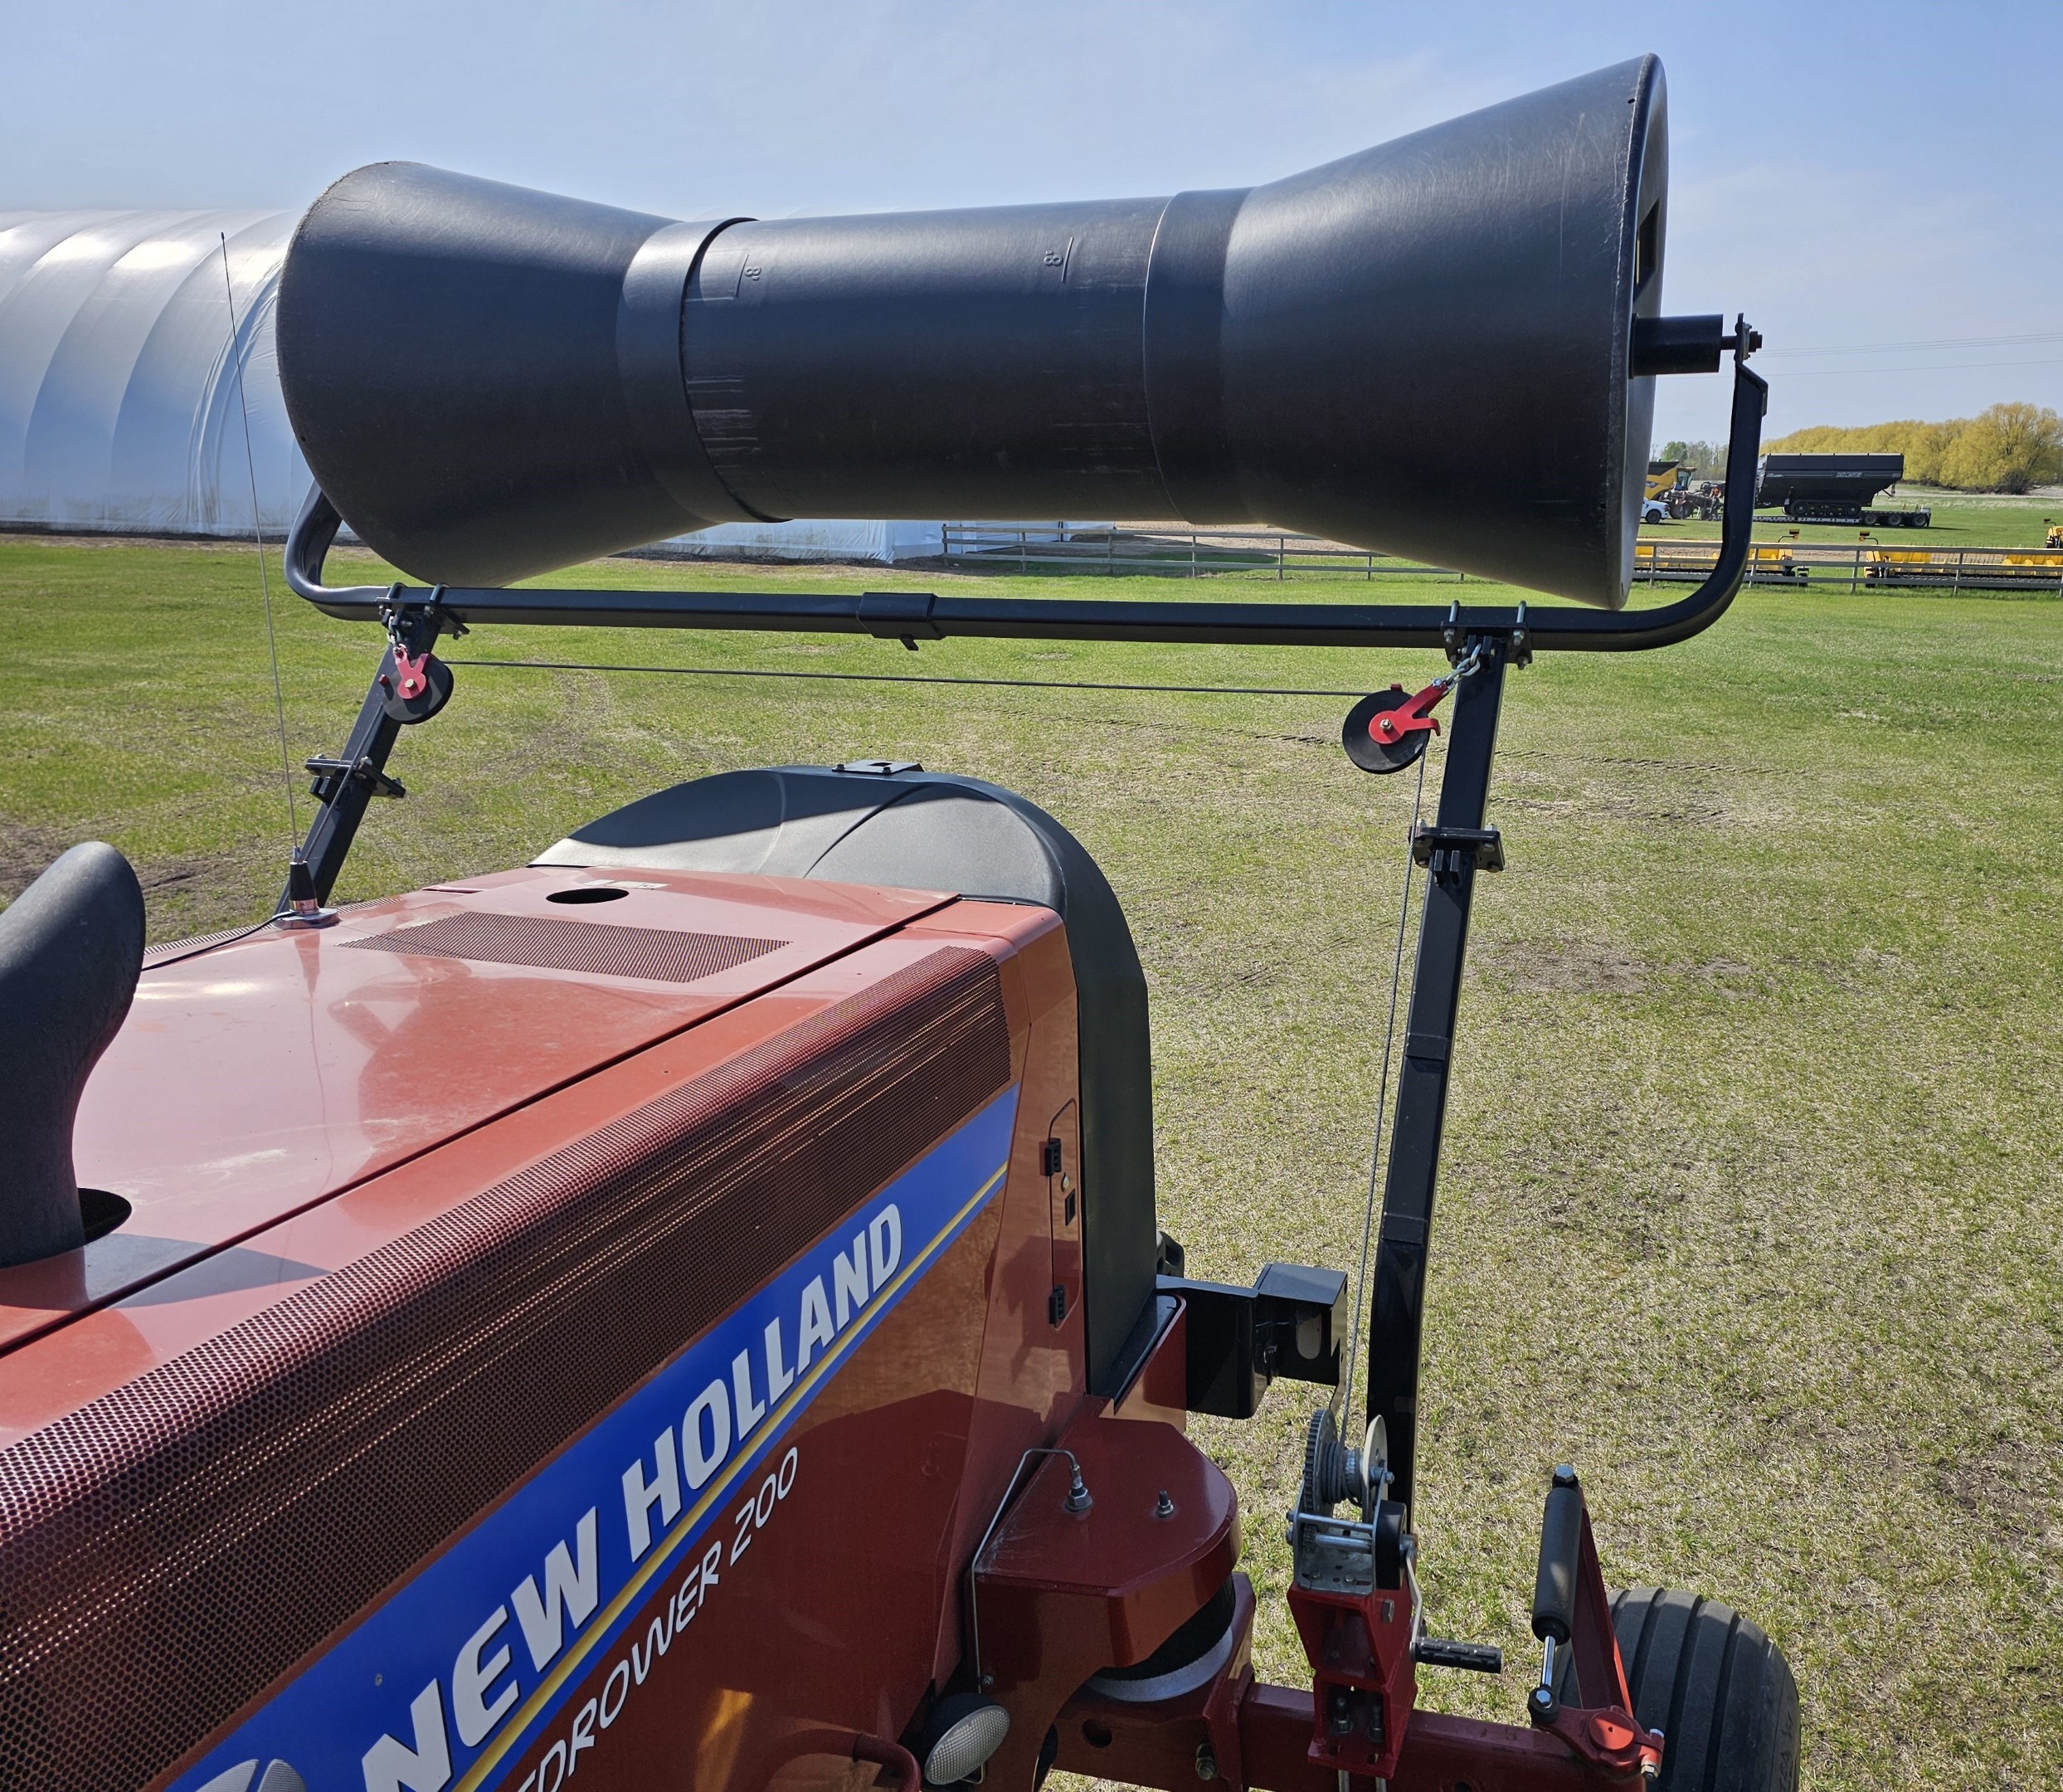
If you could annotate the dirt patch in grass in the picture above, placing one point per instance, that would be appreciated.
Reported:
(2007, 1486)
(1566, 967)
(26, 853)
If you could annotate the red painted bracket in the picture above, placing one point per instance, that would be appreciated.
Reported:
(1063, 1594)
(1363, 1681)
(1414, 716)
(412, 673)
(1604, 1732)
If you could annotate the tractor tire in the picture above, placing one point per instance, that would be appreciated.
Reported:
(1719, 1690)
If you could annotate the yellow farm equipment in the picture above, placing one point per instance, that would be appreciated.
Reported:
(1980, 568)
(1654, 561)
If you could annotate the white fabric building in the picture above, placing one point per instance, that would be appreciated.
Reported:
(883, 542)
(119, 403)
(120, 379)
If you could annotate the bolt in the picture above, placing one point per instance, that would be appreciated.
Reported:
(1165, 1509)
(1206, 1761)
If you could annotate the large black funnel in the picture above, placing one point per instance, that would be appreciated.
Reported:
(1427, 347)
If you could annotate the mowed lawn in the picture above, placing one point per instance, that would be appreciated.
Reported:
(1751, 1204)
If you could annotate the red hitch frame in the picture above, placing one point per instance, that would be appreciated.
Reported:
(1279, 1738)
(1359, 1643)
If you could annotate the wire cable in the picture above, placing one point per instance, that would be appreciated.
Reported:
(208, 945)
(1921, 345)
(1382, 1101)
(909, 678)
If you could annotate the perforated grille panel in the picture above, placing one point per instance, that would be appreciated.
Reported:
(598, 947)
(171, 1549)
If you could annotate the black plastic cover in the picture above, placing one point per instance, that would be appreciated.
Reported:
(490, 383)
(914, 830)
(486, 380)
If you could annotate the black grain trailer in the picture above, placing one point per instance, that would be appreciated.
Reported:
(1832, 487)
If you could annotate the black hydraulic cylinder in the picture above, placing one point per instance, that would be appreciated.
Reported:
(1561, 1559)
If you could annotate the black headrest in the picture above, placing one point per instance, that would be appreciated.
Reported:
(70, 947)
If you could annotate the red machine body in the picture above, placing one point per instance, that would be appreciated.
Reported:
(322, 1138)
(428, 1202)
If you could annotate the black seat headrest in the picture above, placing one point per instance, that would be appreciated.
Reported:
(72, 946)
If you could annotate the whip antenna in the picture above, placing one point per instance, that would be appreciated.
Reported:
(258, 543)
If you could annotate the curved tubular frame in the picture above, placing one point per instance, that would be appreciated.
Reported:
(914, 616)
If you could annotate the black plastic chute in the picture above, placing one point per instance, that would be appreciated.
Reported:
(1427, 349)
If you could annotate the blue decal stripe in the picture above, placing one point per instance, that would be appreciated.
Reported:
(394, 1680)
(545, 1695)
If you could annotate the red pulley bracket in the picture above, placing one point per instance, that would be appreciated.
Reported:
(415, 685)
(417, 688)
(1388, 731)
(411, 675)
(1390, 726)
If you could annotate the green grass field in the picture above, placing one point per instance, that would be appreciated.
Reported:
(1751, 1204)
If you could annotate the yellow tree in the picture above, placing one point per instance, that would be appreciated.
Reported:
(2007, 448)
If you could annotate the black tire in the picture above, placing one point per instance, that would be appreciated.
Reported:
(1716, 1686)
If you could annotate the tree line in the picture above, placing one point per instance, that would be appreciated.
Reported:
(1700, 460)
(2007, 448)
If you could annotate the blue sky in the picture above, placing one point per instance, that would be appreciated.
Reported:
(1880, 187)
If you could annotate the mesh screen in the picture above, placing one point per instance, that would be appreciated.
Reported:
(179, 949)
(171, 1549)
(598, 947)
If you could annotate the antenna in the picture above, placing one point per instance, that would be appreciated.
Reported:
(258, 543)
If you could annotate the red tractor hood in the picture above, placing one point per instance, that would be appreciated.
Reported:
(260, 1077)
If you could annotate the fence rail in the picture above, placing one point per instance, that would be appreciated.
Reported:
(1111, 549)
(1863, 563)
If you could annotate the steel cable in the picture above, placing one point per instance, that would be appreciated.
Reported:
(1382, 1105)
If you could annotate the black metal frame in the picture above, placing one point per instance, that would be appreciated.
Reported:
(1485, 641)
(912, 617)
(1454, 849)
(1240, 1339)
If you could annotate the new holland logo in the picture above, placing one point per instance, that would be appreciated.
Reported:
(441, 1687)
(245, 1777)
